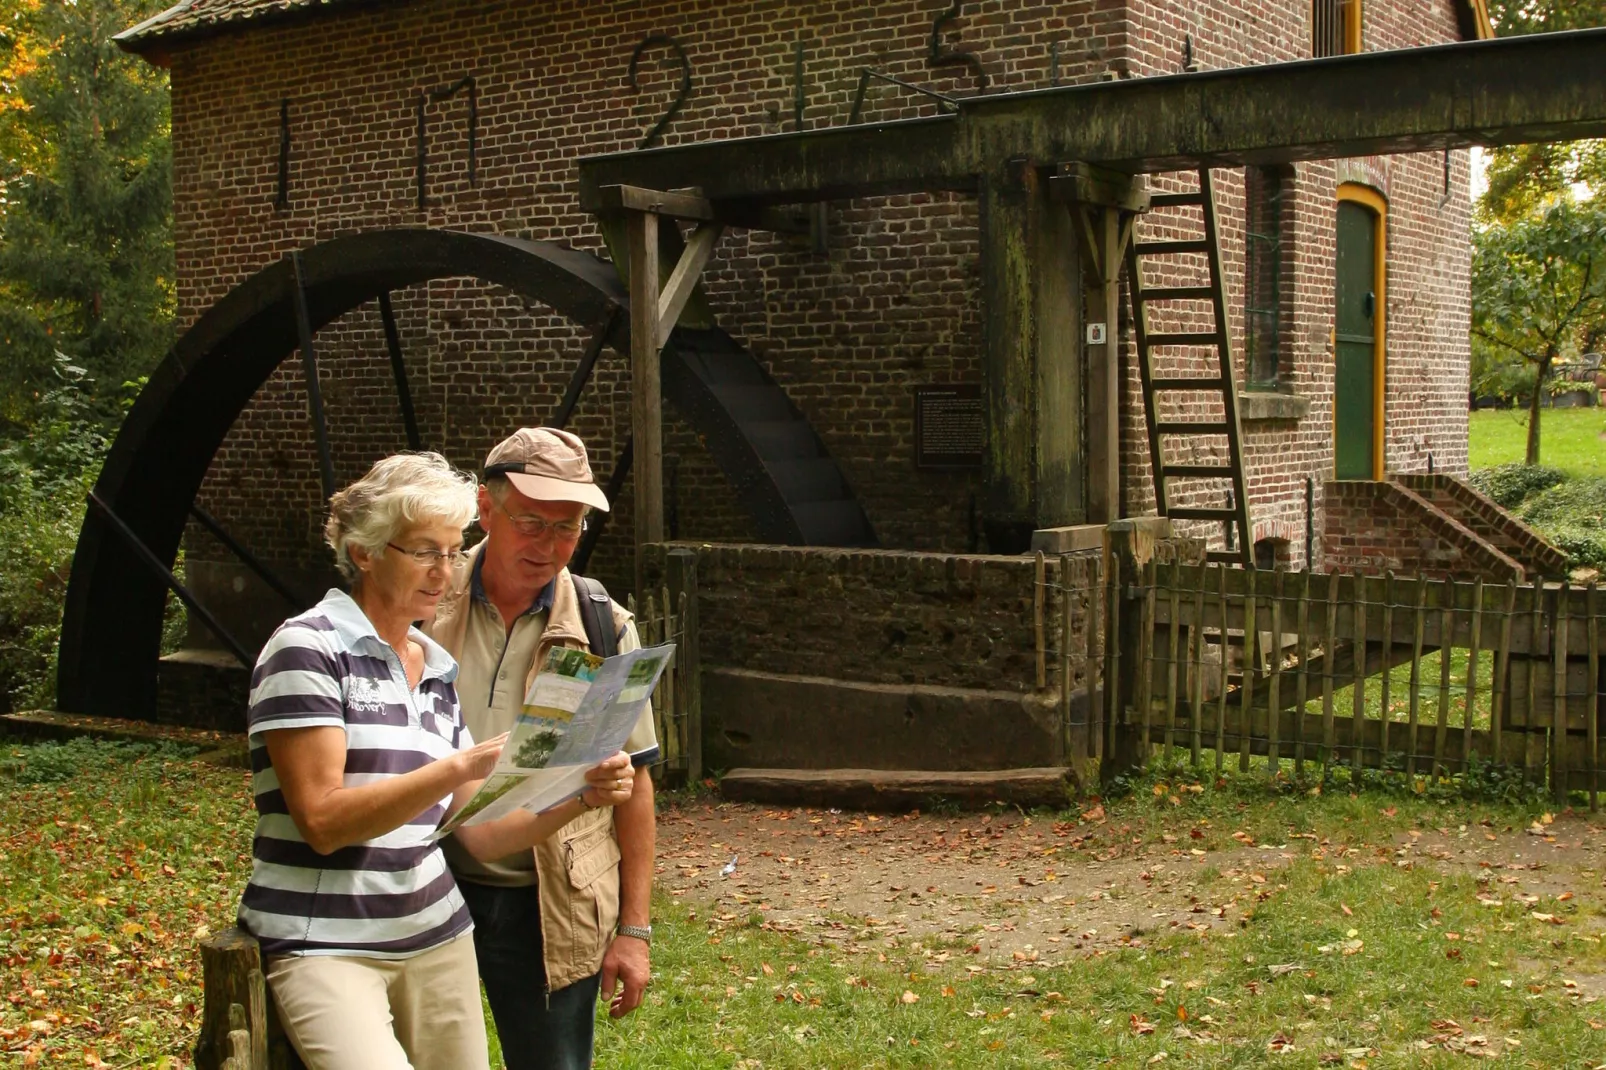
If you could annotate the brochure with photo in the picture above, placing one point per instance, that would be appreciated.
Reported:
(580, 709)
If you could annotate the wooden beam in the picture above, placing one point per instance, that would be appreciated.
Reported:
(1543, 87)
(1084, 184)
(646, 390)
(677, 204)
(683, 280)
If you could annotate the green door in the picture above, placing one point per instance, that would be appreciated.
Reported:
(1354, 383)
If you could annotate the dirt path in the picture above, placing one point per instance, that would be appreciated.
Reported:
(1017, 890)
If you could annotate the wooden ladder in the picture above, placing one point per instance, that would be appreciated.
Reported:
(1233, 510)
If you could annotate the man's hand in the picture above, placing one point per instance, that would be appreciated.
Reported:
(628, 961)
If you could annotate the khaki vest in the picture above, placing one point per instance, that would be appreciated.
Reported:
(577, 868)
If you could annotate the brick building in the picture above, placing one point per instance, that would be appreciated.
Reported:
(890, 303)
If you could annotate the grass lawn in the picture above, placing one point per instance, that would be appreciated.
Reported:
(1325, 930)
(1569, 439)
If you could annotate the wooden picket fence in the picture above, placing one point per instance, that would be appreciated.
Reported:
(1258, 662)
(669, 615)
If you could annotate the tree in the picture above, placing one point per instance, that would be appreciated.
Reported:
(1525, 178)
(1539, 292)
(86, 255)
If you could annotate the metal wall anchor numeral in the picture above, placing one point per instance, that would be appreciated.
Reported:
(685, 81)
(938, 56)
(446, 92)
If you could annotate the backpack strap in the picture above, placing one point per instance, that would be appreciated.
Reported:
(596, 612)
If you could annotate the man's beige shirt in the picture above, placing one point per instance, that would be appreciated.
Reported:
(492, 668)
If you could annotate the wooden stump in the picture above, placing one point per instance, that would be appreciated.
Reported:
(239, 1029)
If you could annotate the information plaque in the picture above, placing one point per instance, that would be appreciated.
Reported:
(950, 427)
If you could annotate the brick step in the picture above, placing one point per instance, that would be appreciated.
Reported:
(898, 789)
(1462, 503)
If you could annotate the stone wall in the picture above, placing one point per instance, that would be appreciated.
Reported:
(824, 658)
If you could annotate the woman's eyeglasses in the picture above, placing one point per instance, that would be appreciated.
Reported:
(431, 558)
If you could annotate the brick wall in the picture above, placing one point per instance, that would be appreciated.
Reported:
(885, 616)
(892, 303)
(1428, 275)
(1373, 527)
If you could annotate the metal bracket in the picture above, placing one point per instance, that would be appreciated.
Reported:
(947, 103)
(446, 92)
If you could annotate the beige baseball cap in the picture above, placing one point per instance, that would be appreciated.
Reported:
(546, 464)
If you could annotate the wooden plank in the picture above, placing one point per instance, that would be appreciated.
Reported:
(1592, 628)
(1388, 659)
(1446, 655)
(1112, 649)
(655, 202)
(1247, 689)
(1330, 604)
(1067, 635)
(1302, 653)
(1414, 702)
(1530, 711)
(1146, 659)
(1197, 661)
(898, 789)
(1172, 657)
(1275, 665)
(646, 390)
(1502, 668)
(1474, 640)
(1358, 678)
(1095, 662)
(1039, 613)
(1558, 731)
(683, 279)
(1221, 701)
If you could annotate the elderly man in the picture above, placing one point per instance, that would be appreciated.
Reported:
(556, 926)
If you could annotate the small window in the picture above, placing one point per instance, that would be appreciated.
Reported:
(1270, 553)
(1335, 27)
(1264, 189)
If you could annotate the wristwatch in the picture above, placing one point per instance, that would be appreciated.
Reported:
(640, 932)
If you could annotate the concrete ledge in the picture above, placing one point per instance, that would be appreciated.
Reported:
(1076, 538)
(1263, 405)
(223, 748)
(772, 720)
(883, 789)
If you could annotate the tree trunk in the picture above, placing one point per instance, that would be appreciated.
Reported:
(1541, 373)
(235, 999)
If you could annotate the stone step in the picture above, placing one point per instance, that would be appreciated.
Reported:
(899, 789)
(225, 748)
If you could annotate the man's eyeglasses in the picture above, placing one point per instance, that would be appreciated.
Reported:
(431, 558)
(536, 526)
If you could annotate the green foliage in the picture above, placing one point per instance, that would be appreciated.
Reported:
(86, 255)
(1573, 516)
(1523, 179)
(38, 532)
(1509, 485)
(54, 763)
(1538, 297)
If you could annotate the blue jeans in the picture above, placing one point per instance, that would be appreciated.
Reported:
(537, 1031)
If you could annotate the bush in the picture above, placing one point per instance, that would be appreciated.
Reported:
(1573, 516)
(1512, 484)
(38, 533)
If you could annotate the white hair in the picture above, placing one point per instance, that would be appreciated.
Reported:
(399, 491)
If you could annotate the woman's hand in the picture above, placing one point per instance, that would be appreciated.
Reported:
(610, 783)
(477, 762)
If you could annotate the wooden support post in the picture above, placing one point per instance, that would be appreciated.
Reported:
(1197, 691)
(1330, 648)
(1558, 698)
(1419, 618)
(1128, 549)
(1357, 752)
(1474, 640)
(1226, 651)
(1501, 683)
(1105, 235)
(1274, 665)
(1302, 687)
(646, 391)
(236, 1019)
(1592, 708)
(683, 577)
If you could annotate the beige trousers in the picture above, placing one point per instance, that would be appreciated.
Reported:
(355, 1013)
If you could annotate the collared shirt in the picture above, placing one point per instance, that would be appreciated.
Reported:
(388, 897)
(495, 661)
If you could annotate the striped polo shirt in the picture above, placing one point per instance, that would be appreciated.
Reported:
(391, 896)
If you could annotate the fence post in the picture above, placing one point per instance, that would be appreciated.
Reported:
(1128, 548)
(683, 578)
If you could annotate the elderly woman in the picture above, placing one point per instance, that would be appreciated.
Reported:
(359, 752)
